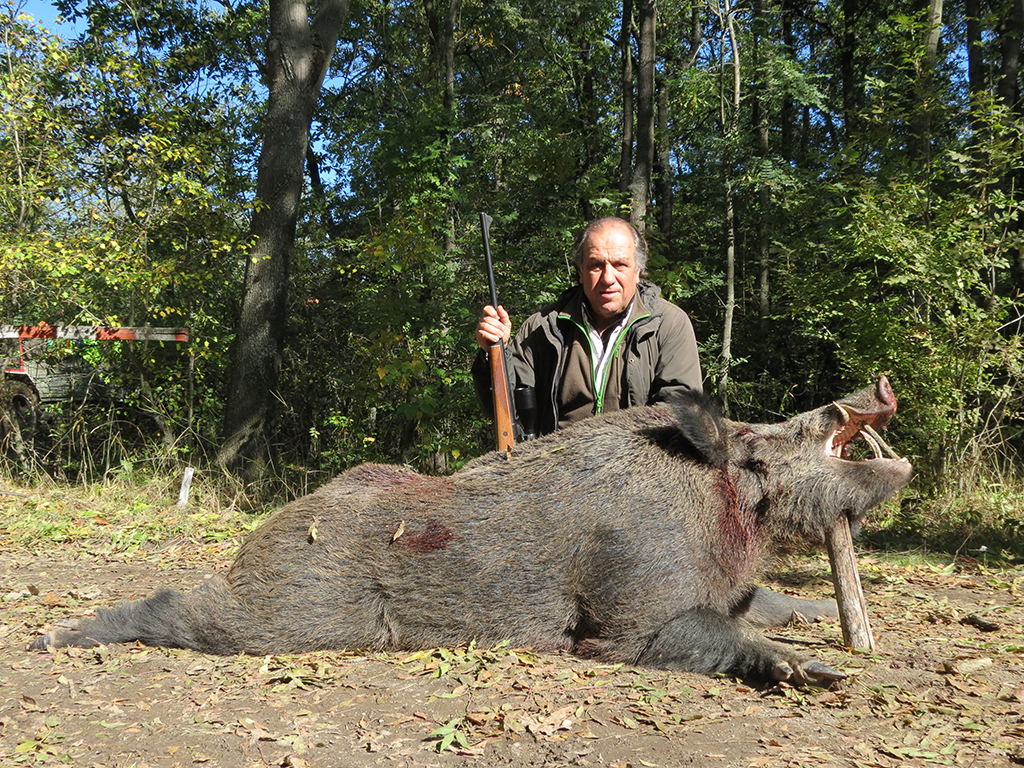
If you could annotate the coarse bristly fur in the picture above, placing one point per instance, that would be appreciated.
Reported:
(631, 537)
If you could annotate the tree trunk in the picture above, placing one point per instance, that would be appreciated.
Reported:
(730, 293)
(449, 61)
(847, 70)
(442, 58)
(298, 54)
(730, 121)
(588, 115)
(759, 109)
(449, 109)
(643, 163)
(1011, 30)
(787, 116)
(975, 60)
(922, 123)
(663, 161)
(626, 79)
(663, 171)
(1011, 33)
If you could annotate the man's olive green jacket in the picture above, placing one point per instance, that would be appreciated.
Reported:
(654, 357)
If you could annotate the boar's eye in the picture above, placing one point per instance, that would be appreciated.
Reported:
(749, 435)
(759, 467)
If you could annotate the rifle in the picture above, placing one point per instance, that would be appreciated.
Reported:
(504, 419)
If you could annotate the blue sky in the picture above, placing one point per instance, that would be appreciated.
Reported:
(43, 12)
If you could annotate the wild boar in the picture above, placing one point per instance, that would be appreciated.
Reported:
(634, 537)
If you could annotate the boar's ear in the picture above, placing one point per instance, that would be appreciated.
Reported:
(701, 426)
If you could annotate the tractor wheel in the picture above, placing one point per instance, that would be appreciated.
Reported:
(22, 403)
(19, 412)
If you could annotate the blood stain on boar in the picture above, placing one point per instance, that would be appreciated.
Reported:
(433, 537)
(737, 525)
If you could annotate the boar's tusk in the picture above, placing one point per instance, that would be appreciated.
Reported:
(844, 434)
(879, 442)
(845, 413)
(837, 443)
(871, 441)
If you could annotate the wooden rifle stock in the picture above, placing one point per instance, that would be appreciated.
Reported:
(503, 417)
(502, 402)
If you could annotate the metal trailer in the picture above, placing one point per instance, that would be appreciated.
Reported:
(36, 378)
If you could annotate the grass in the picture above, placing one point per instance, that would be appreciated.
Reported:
(120, 515)
(984, 522)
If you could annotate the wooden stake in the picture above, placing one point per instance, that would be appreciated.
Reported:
(186, 484)
(853, 609)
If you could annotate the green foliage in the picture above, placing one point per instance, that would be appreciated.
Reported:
(901, 282)
(384, 324)
(124, 210)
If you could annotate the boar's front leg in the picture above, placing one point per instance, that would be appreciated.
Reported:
(762, 607)
(705, 641)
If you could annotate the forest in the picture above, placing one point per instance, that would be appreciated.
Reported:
(831, 189)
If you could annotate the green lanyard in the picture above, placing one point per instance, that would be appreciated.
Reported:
(601, 386)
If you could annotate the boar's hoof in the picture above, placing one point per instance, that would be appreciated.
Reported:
(66, 633)
(808, 672)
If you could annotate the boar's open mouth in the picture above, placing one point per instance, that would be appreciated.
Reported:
(857, 424)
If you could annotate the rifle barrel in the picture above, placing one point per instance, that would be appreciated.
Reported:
(485, 225)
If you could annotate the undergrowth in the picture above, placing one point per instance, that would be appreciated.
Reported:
(978, 517)
(119, 514)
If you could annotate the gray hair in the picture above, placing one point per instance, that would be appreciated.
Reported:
(639, 244)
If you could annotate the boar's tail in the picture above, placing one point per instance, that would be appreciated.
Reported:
(200, 620)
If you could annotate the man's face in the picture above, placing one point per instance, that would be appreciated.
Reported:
(609, 274)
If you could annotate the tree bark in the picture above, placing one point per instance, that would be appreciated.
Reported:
(1011, 33)
(847, 70)
(588, 115)
(448, 105)
(975, 61)
(730, 120)
(442, 57)
(643, 162)
(663, 161)
(759, 110)
(976, 85)
(1011, 30)
(626, 80)
(664, 142)
(787, 116)
(298, 54)
(922, 147)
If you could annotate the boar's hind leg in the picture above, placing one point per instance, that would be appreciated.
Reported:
(167, 618)
(705, 641)
(762, 607)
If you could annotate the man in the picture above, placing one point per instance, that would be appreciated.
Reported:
(608, 343)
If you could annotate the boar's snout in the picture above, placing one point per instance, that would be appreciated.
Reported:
(860, 416)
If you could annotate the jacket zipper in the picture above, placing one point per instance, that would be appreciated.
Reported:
(601, 386)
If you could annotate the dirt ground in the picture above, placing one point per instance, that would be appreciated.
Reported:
(945, 687)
